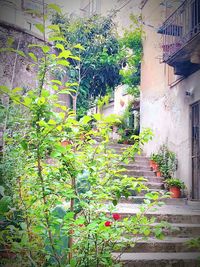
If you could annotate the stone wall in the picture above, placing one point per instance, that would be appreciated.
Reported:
(18, 71)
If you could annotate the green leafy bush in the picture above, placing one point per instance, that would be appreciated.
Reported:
(166, 160)
(65, 195)
(175, 182)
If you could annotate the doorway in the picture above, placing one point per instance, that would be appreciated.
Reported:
(196, 151)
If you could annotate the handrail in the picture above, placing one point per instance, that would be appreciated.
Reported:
(180, 28)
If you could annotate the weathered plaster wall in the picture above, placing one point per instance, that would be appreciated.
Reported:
(166, 110)
(17, 71)
(13, 66)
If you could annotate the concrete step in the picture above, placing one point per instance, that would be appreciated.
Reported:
(151, 179)
(148, 190)
(169, 213)
(154, 185)
(140, 200)
(139, 173)
(168, 244)
(181, 230)
(180, 259)
(137, 167)
(184, 230)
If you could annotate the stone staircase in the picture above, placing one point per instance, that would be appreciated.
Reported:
(183, 217)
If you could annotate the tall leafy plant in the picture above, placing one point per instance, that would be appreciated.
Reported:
(98, 70)
(131, 50)
(58, 214)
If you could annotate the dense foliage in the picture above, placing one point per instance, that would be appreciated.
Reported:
(98, 71)
(131, 46)
(166, 160)
(103, 56)
(66, 180)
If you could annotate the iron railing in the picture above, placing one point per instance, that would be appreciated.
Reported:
(180, 28)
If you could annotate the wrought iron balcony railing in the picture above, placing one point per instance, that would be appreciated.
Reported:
(180, 28)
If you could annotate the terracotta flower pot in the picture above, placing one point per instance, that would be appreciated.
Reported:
(65, 143)
(155, 167)
(158, 174)
(175, 192)
(151, 163)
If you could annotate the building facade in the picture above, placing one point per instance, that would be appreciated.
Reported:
(170, 85)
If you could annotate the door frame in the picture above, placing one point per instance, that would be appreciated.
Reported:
(195, 149)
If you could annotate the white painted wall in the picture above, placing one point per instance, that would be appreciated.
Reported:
(120, 103)
(166, 110)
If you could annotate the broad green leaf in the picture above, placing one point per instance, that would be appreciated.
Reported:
(45, 48)
(79, 46)
(27, 101)
(17, 89)
(40, 27)
(42, 123)
(61, 107)
(45, 93)
(41, 100)
(68, 91)
(60, 46)
(63, 63)
(54, 28)
(56, 38)
(71, 84)
(54, 7)
(34, 45)
(24, 145)
(57, 82)
(59, 128)
(4, 89)
(55, 87)
(97, 116)
(73, 263)
(20, 53)
(52, 122)
(75, 57)
(33, 56)
(85, 119)
(10, 41)
(65, 54)
(55, 154)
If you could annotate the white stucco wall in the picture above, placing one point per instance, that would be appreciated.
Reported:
(166, 110)
(120, 103)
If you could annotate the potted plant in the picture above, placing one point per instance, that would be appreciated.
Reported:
(155, 162)
(175, 185)
(151, 162)
(167, 162)
(158, 173)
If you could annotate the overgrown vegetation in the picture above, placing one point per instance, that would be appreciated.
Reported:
(62, 178)
(166, 160)
(131, 45)
(103, 54)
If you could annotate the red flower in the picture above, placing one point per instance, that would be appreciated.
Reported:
(116, 216)
(108, 223)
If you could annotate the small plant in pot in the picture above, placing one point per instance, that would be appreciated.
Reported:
(154, 162)
(175, 185)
